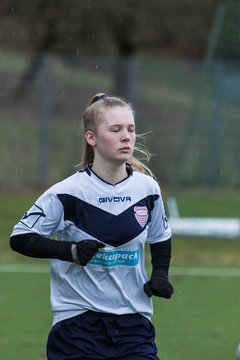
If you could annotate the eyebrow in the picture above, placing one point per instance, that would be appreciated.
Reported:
(121, 125)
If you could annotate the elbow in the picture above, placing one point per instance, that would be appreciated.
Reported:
(14, 243)
(19, 243)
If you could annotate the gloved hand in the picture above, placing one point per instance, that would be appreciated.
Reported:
(83, 251)
(159, 285)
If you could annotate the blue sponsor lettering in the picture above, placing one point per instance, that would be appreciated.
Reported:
(115, 258)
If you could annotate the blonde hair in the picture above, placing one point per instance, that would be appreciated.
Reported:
(91, 118)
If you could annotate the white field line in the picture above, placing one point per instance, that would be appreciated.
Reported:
(174, 270)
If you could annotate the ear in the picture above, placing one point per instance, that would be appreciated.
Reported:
(90, 137)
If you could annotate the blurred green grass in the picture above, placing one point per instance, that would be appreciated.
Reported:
(200, 320)
(209, 202)
(25, 317)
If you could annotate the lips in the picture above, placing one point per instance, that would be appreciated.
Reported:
(126, 148)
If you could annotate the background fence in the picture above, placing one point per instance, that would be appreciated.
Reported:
(194, 130)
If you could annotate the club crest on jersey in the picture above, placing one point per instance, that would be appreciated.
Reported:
(141, 215)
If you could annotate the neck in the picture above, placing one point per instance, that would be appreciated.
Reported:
(110, 173)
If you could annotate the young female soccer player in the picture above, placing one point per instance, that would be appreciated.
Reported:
(101, 218)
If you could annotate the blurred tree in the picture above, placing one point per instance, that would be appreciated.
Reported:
(122, 28)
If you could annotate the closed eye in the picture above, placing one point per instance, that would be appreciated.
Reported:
(116, 128)
(131, 128)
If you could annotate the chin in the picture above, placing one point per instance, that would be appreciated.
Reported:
(122, 159)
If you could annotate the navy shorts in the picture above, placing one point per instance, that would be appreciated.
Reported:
(102, 336)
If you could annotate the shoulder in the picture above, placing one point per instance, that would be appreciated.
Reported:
(80, 177)
(68, 185)
(146, 181)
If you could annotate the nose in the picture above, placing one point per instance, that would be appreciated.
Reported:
(125, 136)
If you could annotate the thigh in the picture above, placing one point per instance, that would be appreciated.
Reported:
(82, 337)
(135, 338)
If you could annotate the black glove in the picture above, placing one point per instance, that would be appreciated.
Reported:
(159, 285)
(83, 251)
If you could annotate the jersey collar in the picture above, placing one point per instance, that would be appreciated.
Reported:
(89, 171)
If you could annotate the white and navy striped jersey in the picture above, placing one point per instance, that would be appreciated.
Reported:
(124, 217)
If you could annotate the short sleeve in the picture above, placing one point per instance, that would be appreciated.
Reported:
(45, 217)
(159, 229)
